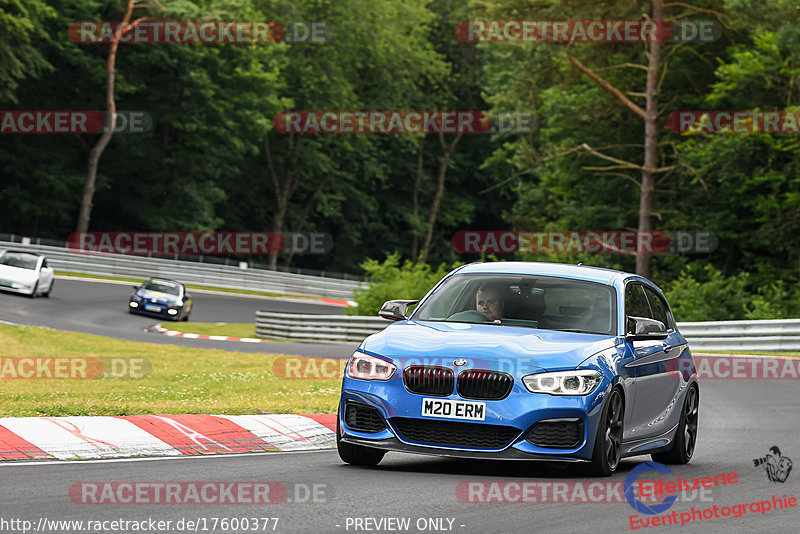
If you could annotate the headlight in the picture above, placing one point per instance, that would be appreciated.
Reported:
(369, 368)
(137, 298)
(563, 382)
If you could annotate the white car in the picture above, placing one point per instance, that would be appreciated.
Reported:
(26, 273)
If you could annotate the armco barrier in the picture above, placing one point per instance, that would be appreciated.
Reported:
(314, 328)
(767, 335)
(770, 335)
(188, 272)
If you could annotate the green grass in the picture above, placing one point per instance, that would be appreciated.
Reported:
(138, 281)
(182, 380)
(214, 329)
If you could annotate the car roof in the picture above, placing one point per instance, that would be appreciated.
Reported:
(578, 272)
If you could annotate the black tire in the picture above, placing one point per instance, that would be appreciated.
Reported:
(608, 442)
(185, 317)
(686, 434)
(356, 454)
(35, 289)
(49, 289)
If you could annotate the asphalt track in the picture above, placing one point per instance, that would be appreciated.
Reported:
(740, 420)
(100, 308)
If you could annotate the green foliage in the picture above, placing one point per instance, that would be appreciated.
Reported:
(204, 167)
(715, 297)
(21, 26)
(391, 281)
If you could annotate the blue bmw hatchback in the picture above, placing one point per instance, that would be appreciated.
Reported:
(517, 360)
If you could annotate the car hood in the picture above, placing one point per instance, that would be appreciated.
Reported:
(484, 346)
(157, 296)
(17, 274)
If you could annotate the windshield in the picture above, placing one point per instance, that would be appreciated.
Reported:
(162, 287)
(19, 259)
(523, 300)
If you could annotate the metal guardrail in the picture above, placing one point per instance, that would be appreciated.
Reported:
(188, 272)
(765, 335)
(308, 327)
(768, 335)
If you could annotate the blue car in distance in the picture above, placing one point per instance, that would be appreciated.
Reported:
(522, 360)
(163, 298)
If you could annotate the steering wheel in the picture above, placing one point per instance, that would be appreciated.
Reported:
(470, 316)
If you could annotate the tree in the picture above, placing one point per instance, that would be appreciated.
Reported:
(85, 212)
(21, 25)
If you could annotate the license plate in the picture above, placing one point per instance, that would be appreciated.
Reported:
(6, 284)
(451, 409)
(150, 307)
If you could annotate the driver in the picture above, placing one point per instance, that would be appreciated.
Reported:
(489, 300)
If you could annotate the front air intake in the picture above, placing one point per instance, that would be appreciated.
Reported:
(363, 418)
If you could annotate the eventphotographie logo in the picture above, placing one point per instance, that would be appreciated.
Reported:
(777, 467)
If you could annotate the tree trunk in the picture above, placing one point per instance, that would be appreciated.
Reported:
(284, 189)
(85, 213)
(643, 264)
(444, 162)
(415, 201)
(303, 217)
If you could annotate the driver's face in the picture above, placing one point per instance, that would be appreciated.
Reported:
(489, 303)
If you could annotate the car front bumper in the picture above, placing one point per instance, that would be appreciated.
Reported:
(520, 411)
(17, 287)
(149, 308)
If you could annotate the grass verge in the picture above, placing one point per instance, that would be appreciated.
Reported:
(182, 380)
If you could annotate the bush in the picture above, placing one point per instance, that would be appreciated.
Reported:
(389, 281)
(717, 298)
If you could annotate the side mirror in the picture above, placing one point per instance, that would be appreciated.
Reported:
(642, 328)
(136, 287)
(396, 310)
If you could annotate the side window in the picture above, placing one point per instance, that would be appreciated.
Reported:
(636, 302)
(658, 307)
(44, 264)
